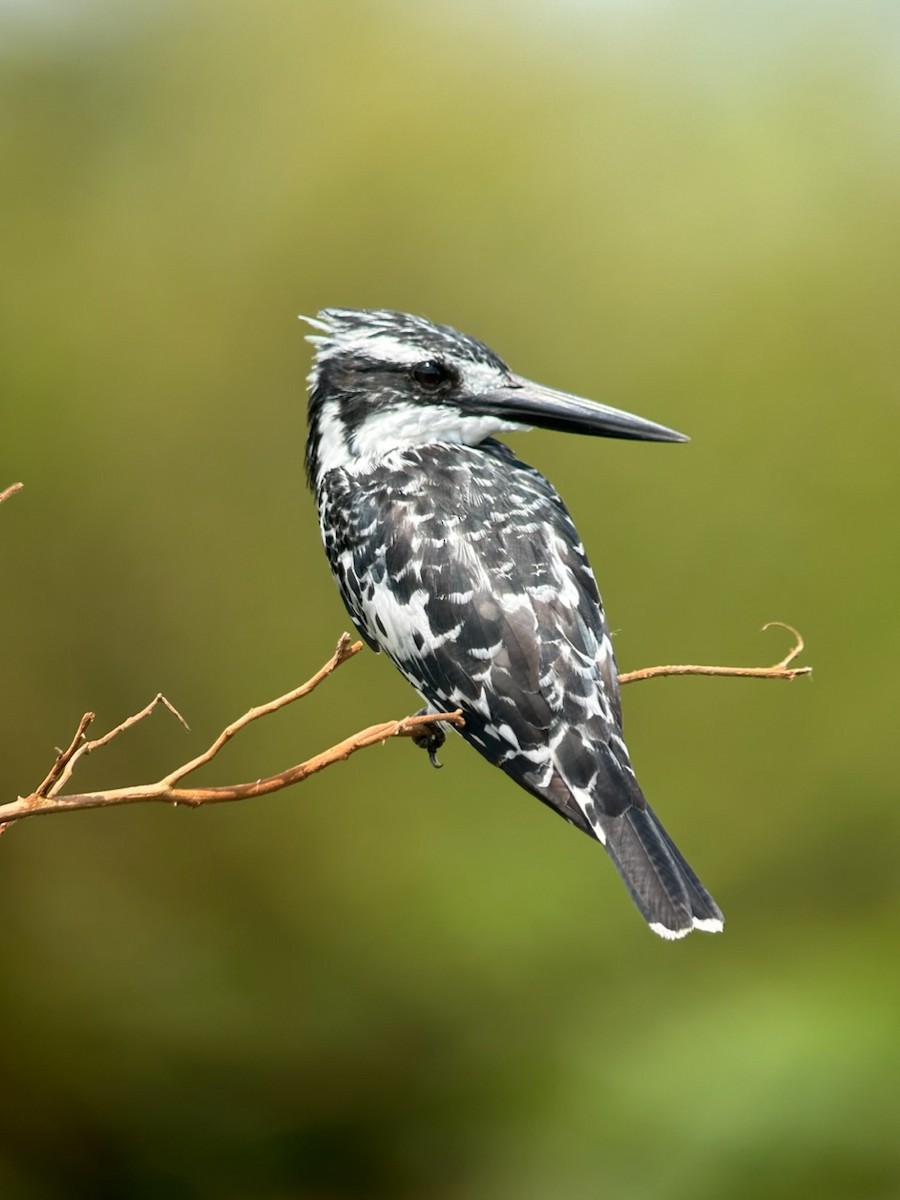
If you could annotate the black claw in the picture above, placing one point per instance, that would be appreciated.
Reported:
(430, 739)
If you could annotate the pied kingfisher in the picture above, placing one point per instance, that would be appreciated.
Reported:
(462, 564)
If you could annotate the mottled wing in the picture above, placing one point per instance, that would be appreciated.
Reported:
(488, 605)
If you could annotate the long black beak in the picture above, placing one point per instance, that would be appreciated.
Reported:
(531, 404)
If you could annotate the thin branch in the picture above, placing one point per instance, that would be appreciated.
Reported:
(781, 670)
(34, 805)
(10, 491)
(46, 797)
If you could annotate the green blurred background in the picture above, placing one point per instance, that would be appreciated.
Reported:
(394, 982)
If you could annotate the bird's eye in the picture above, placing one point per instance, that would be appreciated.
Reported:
(431, 374)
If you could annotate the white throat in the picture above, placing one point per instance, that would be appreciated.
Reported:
(395, 428)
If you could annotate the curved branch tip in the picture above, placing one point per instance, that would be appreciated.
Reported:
(799, 644)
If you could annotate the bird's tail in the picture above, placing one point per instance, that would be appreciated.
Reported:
(662, 884)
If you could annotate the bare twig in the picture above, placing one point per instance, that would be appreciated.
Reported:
(10, 491)
(63, 758)
(781, 670)
(46, 797)
(62, 769)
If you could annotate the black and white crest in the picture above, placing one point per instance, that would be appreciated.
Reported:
(462, 564)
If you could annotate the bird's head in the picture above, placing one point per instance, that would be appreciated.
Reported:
(383, 380)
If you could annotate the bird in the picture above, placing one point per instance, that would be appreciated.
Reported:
(462, 564)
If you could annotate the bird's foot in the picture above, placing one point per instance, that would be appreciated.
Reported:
(431, 738)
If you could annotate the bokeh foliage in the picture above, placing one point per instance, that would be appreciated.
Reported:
(394, 982)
